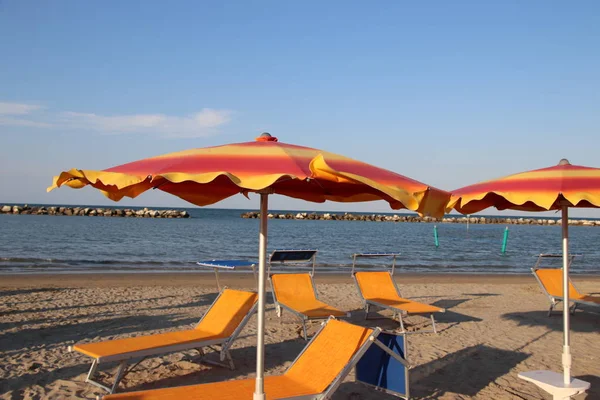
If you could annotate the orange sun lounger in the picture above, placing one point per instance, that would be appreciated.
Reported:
(219, 326)
(551, 279)
(296, 292)
(379, 289)
(315, 374)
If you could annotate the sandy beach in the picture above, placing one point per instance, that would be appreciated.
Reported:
(494, 328)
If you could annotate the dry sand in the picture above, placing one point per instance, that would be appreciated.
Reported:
(495, 327)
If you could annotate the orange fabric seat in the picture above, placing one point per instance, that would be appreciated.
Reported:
(552, 279)
(410, 307)
(220, 322)
(312, 373)
(136, 344)
(297, 292)
(379, 287)
(219, 326)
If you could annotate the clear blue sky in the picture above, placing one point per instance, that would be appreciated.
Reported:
(449, 93)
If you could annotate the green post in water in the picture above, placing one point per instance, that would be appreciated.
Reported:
(435, 236)
(505, 240)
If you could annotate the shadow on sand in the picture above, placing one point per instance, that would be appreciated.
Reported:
(383, 317)
(244, 359)
(276, 354)
(83, 306)
(69, 333)
(205, 299)
(581, 321)
(465, 372)
(462, 374)
(17, 292)
(594, 392)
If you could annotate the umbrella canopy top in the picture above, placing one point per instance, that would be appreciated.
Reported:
(205, 176)
(538, 190)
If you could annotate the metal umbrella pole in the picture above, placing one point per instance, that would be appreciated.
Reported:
(259, 391)
(566, 357)
(561, 387)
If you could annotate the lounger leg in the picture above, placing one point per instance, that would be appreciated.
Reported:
(573, 308)
(278, 311)
(227, 355)
(367, 307)
(92, 371)
(90, 377)
(118, 376)
(223, 355)
(401, 322)
(550, 310)
(433, 323)
(304, 329)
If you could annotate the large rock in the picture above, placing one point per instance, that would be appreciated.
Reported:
(6, 209)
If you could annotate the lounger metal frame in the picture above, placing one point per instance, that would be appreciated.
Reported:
(337, 381)
(227, 265)
(372, 339)
(375, 255)
(397, 313)
(280, 306)
(224, 354)
(554, 300)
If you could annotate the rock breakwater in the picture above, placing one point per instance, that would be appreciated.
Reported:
(91, 211)
(415, 218)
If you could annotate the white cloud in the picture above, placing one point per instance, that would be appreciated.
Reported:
(111, 124)
(211, 118)
(23, 122)
(202, 123)
(17, 108)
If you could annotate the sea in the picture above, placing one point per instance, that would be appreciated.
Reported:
(76, 244)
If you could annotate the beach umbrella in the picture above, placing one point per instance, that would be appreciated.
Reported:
(265, 166)
(555, 188)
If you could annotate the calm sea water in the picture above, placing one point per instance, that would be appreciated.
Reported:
(58, 244)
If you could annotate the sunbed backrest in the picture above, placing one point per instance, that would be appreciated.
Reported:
(551, 278)
(376, 285)
(327, 354)
(293, 286)
(227, 312)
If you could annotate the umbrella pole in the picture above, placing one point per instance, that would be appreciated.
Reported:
(259, 391)
(566, 357)
(561, 387)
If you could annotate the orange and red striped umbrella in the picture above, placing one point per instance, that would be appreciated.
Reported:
(207, 175)
(553, 188)
(539, 190)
